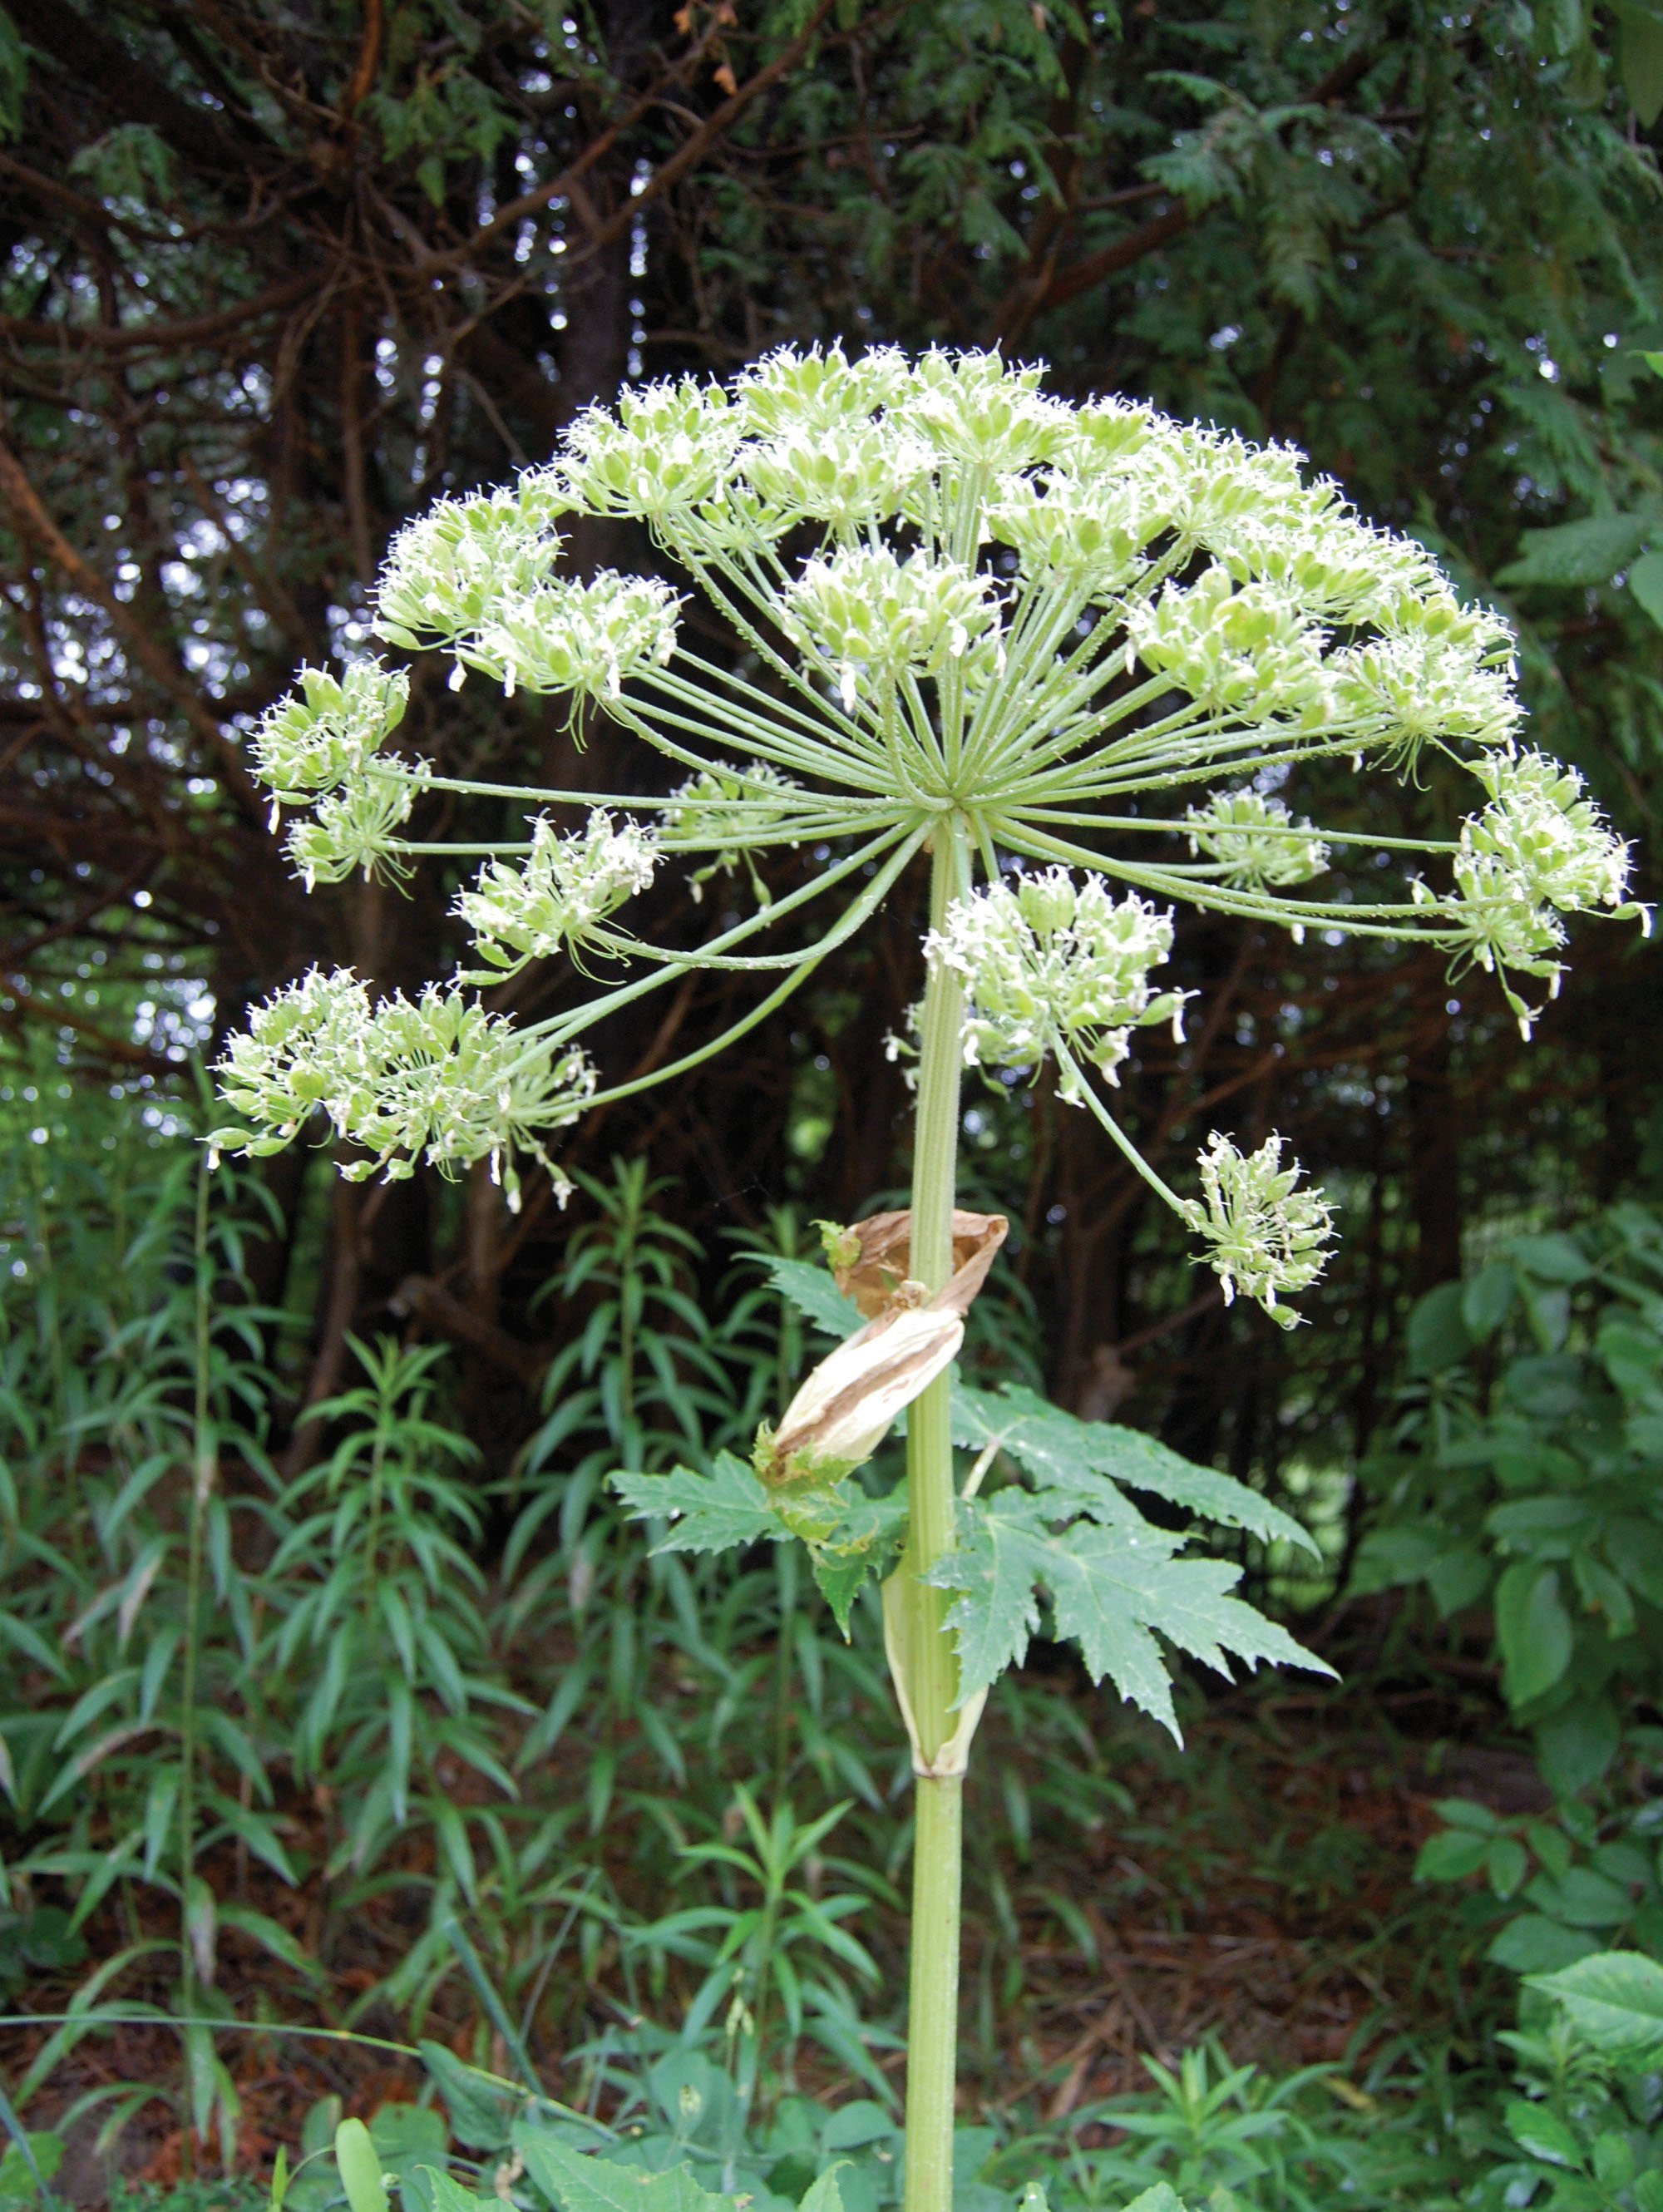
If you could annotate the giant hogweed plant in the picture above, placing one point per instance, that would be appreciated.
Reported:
(1069, 658)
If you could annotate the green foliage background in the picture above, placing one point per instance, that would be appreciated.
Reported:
(272, 280)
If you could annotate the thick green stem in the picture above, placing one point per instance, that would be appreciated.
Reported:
(932, 1998)
(923, 1653)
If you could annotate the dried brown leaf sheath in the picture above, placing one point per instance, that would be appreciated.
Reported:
(871, 1260)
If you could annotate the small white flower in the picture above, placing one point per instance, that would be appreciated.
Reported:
(1268, 1237)
(437, 1078)
(559, 897)
(323, 736)
(870, 615)
(447, 571)
(1256, 840)
(1046, 966)
(582, 638)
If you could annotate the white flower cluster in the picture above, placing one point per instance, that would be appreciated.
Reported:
(445, 572)
(1072, 530)
(841, 473)
(1541, 824)
(356, 827)
(1540, 849)
(1243, 651)
(557, 899)
(1431, 681)
(323, 736)
(667, 446)
(1256, 840)
(1330, 562)
(870, 614)
(730, 809)
(1269, 1238)
(1050, 969)
(437, 1078)
(582, 638)
(789, 390)
(975, 411)
(321, 748)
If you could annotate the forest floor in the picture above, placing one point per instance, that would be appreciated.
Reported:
(1257, 1889)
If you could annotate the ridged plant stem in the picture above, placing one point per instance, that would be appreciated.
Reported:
(926, 1651)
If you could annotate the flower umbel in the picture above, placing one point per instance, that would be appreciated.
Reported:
(1256, 840)
(324, 737)
(1049, 968)
(1540, 850)
(436, 1079)
(582, 638)
(872, 615)
(945, 611)
(559, 898)
(1268, 1237)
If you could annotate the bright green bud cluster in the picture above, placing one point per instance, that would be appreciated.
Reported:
(843, 473)
(872, 615)
(1402, 690)
(447, 571)
(977, 411)
(323, 736)
(1247, 651)
(1048, 968)
(437, 1078)
(667, 448)
(1269, 1238)
(582, 638)
(556, 901)
(1256, 840)
(1070, 530)
(728, 809)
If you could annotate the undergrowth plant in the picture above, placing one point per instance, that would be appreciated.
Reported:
(1067, 658)
(1518, 1486)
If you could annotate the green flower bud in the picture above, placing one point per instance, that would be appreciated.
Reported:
(1049, 966)
(1268, 1237)
(1256, 840)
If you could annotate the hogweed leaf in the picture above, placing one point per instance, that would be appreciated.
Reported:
(1114, 1591)
(862, 1542)
(712, 1513)
(1060, 1451)
(815, 1296)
